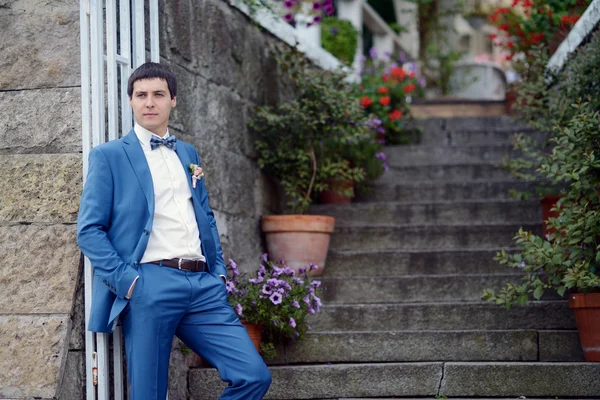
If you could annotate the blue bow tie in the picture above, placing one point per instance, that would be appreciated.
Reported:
(170, 142)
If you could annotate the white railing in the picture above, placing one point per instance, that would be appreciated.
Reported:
(105, 119)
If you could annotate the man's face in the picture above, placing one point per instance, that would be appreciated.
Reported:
(151, 103)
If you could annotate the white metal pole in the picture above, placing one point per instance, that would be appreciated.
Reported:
(154, 39)
(125, 26)
(139, 34)
(111, 69)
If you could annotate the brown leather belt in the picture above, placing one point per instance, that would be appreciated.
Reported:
(183, 264)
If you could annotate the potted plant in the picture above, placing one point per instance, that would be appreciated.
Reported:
(383, 93)
(274, 304)
(569, 258)
(301, 144)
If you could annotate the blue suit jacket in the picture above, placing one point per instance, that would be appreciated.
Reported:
(115, 219)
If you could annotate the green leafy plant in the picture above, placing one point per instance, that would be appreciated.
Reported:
(340, 38)
(307, 142)
(276, 297)
(568, 258)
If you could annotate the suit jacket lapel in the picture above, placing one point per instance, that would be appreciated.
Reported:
(138, 161)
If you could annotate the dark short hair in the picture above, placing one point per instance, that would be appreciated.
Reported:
(151, 70)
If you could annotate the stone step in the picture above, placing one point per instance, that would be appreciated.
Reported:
(547, 315)
(441, 237)
(479, 136)
(445, 173)
(443, 212)
(470, 124)
(399, 263)
(413, 155)
(452, 379)
(411, 289)
(426, 191)
(419, 346)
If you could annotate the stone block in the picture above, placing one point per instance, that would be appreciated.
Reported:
(521, 379)
(32, 350)
(42, 188)
(241, 240)
(40, 121)
(72, 386)
(334, 381)
(560, 346)
(178, 372)
(212, 114)
(39, 268)
(39, 49)
(77, 338)
(222, 46)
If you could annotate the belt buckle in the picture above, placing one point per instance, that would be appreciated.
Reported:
(179, 263)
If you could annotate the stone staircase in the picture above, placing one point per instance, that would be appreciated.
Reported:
(404, 276)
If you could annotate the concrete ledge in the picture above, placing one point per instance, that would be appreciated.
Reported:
(380, 263)
(543, 315)
(445, 173)
(438, 237)
(332, 381)
(490, 212)
(406, 346)
(560, 346)
(412, 289)
(458, 109)
(521, 379)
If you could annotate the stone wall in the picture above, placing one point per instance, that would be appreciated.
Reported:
(224, 72)
(40, 154)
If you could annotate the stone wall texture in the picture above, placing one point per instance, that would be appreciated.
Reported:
(224, 72)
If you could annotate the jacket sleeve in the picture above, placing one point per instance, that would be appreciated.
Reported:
(220, 262)
(95, 211)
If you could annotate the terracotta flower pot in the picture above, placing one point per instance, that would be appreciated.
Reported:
(548, 203)
(332, 197)
(586, 307)
(298, 239)
(255, 333)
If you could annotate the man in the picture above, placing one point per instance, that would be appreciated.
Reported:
(146, 226)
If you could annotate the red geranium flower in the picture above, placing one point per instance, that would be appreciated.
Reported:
(394, 115)
(493, 36)
(383, 89)
(366, 101)
(385, 77)
(538, 37)
(385, 100)
(398, 72)
(412, 75)
(409, 88)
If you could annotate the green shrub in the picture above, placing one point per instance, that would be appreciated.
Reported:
(340, 38)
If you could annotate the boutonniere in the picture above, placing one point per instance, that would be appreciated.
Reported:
(197, 173)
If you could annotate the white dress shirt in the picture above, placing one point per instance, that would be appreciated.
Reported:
(174, 231)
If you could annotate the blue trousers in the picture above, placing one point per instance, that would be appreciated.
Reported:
(193, 306)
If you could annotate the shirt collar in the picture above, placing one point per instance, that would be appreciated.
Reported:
(144, 135)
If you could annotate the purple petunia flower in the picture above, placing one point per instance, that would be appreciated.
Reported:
(311, 310)
(306, 299)
(313, 266)
(316, 283)
(328, 9)
(296, 304)
(230, 287)
(381, 156)
(264, 257)
(288, 17)
(362, 58)
(402, 57)
(373, 53)
(238, 309)
(522, 265)
(266, 289)
(316, 5)
(256, 280)
(292, 322)
(288, 4)
(317, 301)
(276, 298)
(298, 281)
(301, 271)
(334, 31)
